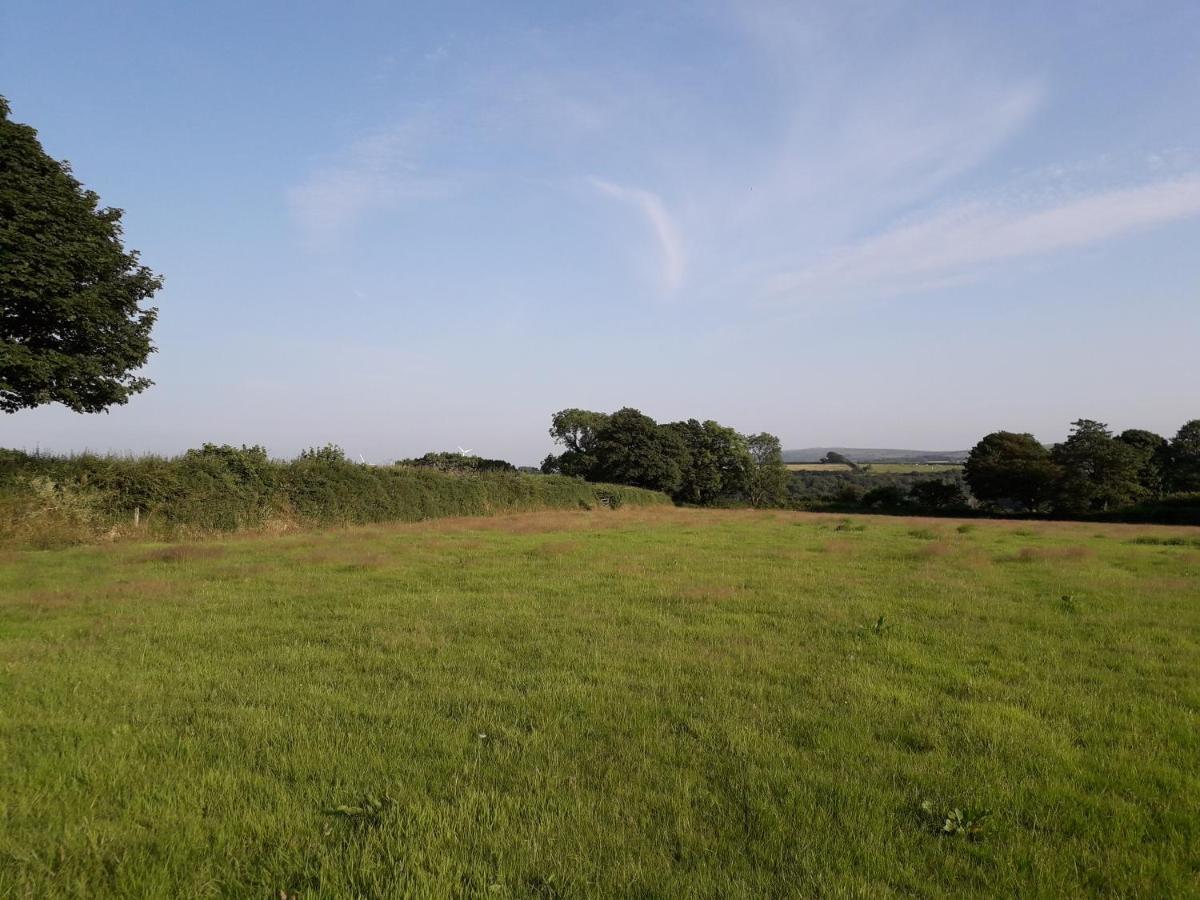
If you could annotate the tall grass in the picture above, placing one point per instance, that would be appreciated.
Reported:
(48, 501)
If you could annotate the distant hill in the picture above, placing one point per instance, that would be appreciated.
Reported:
(876, 455)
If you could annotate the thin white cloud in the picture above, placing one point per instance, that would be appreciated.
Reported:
(952, 244)
(376, 174)
(672, 259)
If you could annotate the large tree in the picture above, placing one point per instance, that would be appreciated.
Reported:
(1153, 454)
(769, 478)
(631, 448)
(1098, 471)
(718, 462)
(1183, 472)
(1006, 468)
(575, 430)
(72, 326)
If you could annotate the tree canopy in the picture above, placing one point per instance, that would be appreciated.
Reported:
(1098, 471)
(1153, 458)
(1010, 468)
(695, 462)
(1184, 458)
(72, 326)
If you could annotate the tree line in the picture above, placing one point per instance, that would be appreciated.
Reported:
(703, 463)
(1093, 470)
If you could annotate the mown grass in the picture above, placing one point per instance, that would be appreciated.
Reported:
(643, 702)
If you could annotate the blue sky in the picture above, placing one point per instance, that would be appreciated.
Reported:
(404, 226)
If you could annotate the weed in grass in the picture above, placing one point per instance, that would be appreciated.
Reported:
(923, 534)
(369, 811)
(878, 628)
(966, 528)
(850, 526)
(966, 822)
(1067, 602)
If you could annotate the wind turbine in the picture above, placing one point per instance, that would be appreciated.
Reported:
(466, 452)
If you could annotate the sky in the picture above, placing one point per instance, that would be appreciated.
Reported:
(403, 227)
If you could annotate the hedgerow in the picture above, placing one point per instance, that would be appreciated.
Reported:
(55, 500)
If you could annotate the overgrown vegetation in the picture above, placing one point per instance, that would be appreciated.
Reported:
(865, 489)
(656, 702)
(55, 500)
(700, 463)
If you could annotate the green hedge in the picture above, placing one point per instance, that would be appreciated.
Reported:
(48, 500)
(1173, 509)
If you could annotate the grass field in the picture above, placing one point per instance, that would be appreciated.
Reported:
(650, 703)
(878, 468)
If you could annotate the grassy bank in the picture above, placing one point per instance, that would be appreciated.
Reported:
(646, 702)
(49, 501)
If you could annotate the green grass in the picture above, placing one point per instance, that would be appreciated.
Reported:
(646, 702)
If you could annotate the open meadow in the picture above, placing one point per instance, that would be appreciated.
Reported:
(649, 702)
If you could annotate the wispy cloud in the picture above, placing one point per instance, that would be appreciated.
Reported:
(956, 242)
(376, 174)
(669, 244)
(817, 128)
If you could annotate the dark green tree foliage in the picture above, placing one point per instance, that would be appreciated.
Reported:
(72, 326)
(1183, 467)
(837, 489)
(718, 463)
(631, 448)
(694, 462)
(769, 477)
(458, 463)
(1009, 469)
(1153, 453)
(1098, 471)
(887, 496)
(576, 431)
(938, 496)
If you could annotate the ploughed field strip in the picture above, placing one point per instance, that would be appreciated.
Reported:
(640, 702)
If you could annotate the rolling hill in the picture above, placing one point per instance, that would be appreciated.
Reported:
(876, 455)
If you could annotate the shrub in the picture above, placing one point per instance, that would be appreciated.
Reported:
(69, 499)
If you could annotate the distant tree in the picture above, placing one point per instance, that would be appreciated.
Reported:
(631, 448)
(835, 458)
(1183, 467)
(1153, 453)
(769, 477)
(848, 493)
(1009, 468)
(576, 431)
(72, 328)
(460, 463)
(330, 454)
(938, 496)
(1098, 471)
(888, 496)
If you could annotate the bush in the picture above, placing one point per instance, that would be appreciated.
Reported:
(46, 500)
(888, 496)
